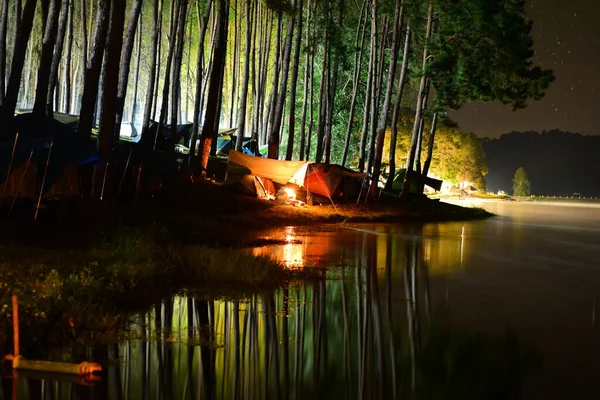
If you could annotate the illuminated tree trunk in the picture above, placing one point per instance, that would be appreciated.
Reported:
(294, 84)
(281, 95)
(114, 47)
(199, 76)
(156, 12)
(93, 69)
(175, 93)
(430, 145)
(244, 89)
(323, 102)
(368, 94)
(214, 98)
(419, 107)
(164, 109)
(58, 48)
(235, 62)
(376, 96)
(67, 76)
(132, 24)
(396, 113)
(44, 71)
(273, 134)
(136, 79)
(359, 42)
(307, 83)
(383, 117)
(3, 53)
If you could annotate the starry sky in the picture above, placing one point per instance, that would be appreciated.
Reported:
(567, 40)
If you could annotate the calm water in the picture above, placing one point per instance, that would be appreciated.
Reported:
(496, 309)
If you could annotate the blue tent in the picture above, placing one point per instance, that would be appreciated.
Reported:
(35, 138)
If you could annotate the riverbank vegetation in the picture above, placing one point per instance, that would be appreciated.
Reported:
(86, 293)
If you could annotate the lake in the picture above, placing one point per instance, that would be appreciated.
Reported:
(498, 309)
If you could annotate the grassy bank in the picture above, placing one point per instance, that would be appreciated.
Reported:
(78, 296)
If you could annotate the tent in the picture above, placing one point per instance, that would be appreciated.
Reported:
(22, 171)
(258, 175)
(184, 133)
(226, 143)
(328, 180)
(416, 177)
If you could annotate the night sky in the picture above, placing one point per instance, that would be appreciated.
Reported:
(567, 40)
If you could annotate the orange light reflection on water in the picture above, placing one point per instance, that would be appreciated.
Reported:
(291, 254)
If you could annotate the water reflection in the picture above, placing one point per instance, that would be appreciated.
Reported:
(371, 329)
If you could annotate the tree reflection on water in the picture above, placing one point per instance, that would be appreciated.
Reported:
(358, 333)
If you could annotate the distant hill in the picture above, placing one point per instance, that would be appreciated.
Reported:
(557, 163)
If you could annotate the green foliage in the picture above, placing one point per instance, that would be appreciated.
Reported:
(482, 51)
(458, 157)
(521, 184)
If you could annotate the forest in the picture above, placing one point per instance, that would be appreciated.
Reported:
(557, 163)
(362, 83)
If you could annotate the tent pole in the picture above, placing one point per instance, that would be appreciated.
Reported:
(137, 184)
(123, 177)
(12, 156)
(104, 180)
(20, 183)
(37, 207)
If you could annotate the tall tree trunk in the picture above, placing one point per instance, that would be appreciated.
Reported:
(67, 79)
(114, 48)
(84, 31)
(188, 77)
(178, 60)
(214, 97)
(244, 89)
(369, 96)
(312, 105)
(282, 93)
(45, 7)
(421, 126)
(199, 77)
(397, 107)
(430, 145)
(152, 70)
(359, 43)
(43, 77)
(93, 69)
(332, 87)
(158, 62)
(383, 116)
(419, 107)
(306, 82)
(376, 97)
(28, 78)
(125, 63)
(136, 78)
(323, 101)
(273, 134)
(164, 109)
(58, 48)
(294, 84)
(235, 62)
(3, 55)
